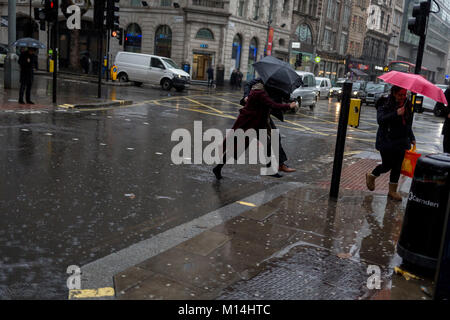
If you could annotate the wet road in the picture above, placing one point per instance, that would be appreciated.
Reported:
(76, 185)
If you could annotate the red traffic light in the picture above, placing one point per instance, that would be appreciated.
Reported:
(51, 4)
(114, 34)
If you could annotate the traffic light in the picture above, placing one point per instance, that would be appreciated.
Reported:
(417, 24)
(118, 34)
(51, 10)
(99, 14)
(298, 60)
(112, 15)
(39, 15)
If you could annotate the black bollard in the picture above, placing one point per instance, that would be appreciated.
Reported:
(340, 139)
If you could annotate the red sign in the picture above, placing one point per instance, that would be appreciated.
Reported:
(269, 43)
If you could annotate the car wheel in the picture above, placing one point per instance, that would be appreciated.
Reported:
(123, 77)
(166, 84)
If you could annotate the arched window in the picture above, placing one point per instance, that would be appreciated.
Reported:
(252, 56)
(236, 50)
(163, 41)
(303, 33)
(205, 34)
(133, 38)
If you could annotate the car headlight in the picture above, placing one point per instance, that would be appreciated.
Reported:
(340, 91)
(355, 93)
(179, 76)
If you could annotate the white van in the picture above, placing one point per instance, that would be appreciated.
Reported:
(140, 68)
(323, 86)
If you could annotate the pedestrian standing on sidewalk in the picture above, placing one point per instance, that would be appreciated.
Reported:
(446, 127)
(394, 137)
(239, 77)
(27, 61)
(233, 79)
(210, 73)
(255, 115)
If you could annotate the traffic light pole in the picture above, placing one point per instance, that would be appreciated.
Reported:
(55, 52)
(421, 47)
(100, 63)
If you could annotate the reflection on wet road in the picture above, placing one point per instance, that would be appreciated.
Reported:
(76, 185)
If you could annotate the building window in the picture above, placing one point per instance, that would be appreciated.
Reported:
(312, 7)
(241, 8)
(252, 55)
(330, 9)
(236, 50)
(136, 3)
(303, 33)
(133, 38)
(205, 34)
(163, 41)
(285, 6)
(257, 6)
(342, 44)
(166, 3)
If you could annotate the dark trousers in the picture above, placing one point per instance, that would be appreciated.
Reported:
(25, 86)
(283, 156)
(391, 161)
(447, 142)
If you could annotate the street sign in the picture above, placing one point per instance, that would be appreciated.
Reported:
(295, 45)
(317, 59)
(446, 76)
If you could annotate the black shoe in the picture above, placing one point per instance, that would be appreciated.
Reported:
(217, 172)
(21, 102)
(276, 175)
(30, 102)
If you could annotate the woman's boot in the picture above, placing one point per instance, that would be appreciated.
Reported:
(370, 181)
(393, 194)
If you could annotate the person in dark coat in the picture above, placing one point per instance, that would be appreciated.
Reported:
(277, 96)
(210, 73)
(255, 115)
(239, 76)
(233, 79)
(446, 127)
(394, 137)
(27, 61)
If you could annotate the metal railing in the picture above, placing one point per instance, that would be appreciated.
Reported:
(209, 3)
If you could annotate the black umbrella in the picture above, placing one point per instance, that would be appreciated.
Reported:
(29, 43)
(278, 74)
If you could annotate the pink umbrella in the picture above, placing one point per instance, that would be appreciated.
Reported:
(415, 83)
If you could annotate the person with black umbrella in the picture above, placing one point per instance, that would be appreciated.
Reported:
(277, 96)
(27, 61)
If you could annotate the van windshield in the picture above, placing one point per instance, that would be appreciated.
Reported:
(171, 63)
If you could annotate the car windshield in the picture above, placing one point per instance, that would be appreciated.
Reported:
(171, 63)
(356, 86)
(375, 87)
(317, 82)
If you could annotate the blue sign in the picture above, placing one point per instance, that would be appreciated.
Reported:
(446, 76)
(203, 46)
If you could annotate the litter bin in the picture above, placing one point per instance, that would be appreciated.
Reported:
(187, 67)
(421, 233)
(220, 75)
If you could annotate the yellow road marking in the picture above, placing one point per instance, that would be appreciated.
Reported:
(91, 293)
(204, 105)
(306, 128)
(249, 204)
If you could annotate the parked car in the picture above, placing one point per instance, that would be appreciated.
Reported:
(3, 53)
(306, 95)
(357, 92)
(323, 86)
(374, 91)
(146, 68)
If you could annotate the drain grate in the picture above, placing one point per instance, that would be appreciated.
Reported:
(305, 273)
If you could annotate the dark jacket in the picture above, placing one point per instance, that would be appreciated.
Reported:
(446, 127)
(256, 112)
(27, 62)
(394, 131)
(210, 73)
(275, 94)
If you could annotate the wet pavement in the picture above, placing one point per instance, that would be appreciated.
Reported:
(79, 185)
